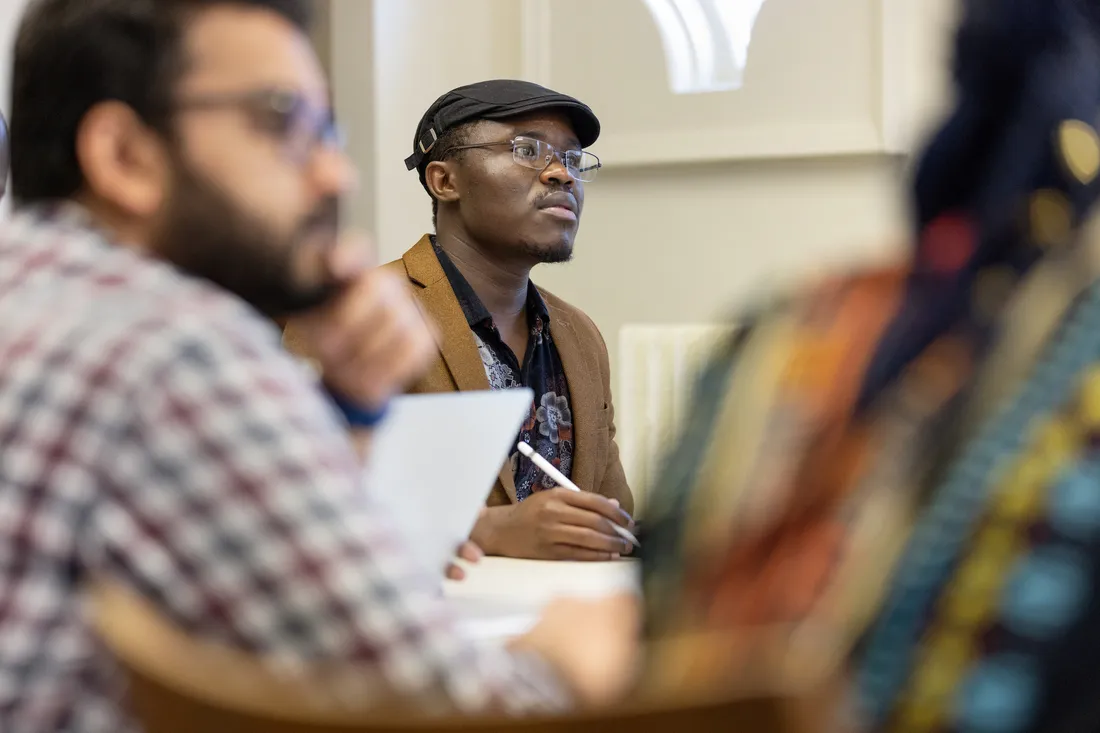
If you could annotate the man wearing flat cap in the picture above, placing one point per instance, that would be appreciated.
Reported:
(505, 165)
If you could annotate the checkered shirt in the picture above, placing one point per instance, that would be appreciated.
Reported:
(153, 431)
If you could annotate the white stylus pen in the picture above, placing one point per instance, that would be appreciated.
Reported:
(559, 478)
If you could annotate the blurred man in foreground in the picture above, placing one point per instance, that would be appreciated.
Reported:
(177, 173)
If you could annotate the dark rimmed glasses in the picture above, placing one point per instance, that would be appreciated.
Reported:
(288, 117)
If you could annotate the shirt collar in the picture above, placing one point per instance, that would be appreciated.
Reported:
(475, 311)
(64, 213)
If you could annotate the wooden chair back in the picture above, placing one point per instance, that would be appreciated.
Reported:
(180, 685)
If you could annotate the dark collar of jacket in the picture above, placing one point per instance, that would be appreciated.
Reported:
(583, 355)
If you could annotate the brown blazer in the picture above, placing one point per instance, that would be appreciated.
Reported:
(596, 464)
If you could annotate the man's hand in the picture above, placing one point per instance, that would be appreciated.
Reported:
(469, 552)
(593, 644)
(372, 340)
(555, 524)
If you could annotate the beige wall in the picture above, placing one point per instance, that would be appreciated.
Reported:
(11, 12)
(659, 244)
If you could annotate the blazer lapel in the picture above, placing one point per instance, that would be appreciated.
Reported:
(507, 478)
(585, 400)
(456, 341)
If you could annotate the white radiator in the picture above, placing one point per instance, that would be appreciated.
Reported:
(657, 370)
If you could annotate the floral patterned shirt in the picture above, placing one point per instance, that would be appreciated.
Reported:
(549, 426)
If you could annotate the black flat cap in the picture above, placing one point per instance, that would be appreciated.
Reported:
(494, 100)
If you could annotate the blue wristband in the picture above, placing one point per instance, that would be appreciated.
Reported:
(357, 416)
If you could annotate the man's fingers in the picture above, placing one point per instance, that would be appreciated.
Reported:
(577, 517)
(581, 554)
(405, 360)
(380, 345)
(454, 572)
(406, 331)
(393, 347)
(596, 503)
(354, 317)
(589, 539)
(470, 552)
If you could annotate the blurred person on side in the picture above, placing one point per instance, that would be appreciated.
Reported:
(176, 174)
(897, 473)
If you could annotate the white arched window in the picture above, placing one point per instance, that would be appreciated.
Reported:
(706, 42)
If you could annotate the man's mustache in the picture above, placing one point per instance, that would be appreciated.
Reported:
(325, 217)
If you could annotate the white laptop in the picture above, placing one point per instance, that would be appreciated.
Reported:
(434, 461)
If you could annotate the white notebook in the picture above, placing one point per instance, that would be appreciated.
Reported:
(434, 461)
(502, 598)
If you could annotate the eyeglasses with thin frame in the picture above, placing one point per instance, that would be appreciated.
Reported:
(538, 154)
(286, 116)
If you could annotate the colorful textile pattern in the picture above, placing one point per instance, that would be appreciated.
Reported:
(954, 392)
(777, 522)
(549, 426)
(782, 509)
(994, 623)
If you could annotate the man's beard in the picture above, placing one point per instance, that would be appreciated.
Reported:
(556, 252)
(553, 254)
(206, 234)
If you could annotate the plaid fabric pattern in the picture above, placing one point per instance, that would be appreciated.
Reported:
(153, 430)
